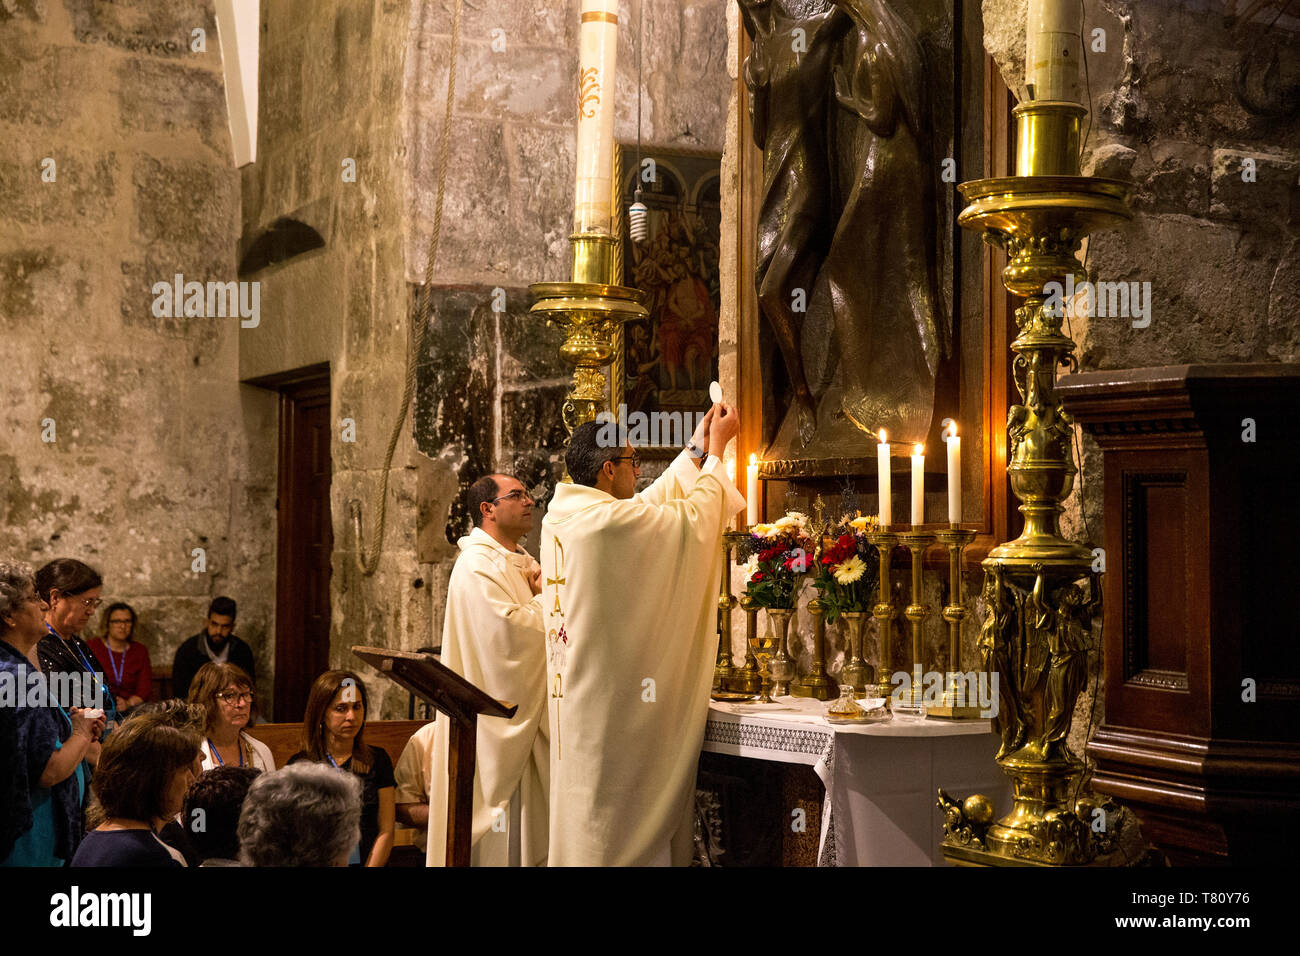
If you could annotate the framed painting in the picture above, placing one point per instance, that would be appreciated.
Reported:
(669, 359)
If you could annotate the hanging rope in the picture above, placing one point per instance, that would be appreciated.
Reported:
(370, 562)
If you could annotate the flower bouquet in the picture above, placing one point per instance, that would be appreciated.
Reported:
(846, 576)
(779, 554)
(847, 570)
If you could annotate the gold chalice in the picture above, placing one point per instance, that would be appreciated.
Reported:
(764, 649)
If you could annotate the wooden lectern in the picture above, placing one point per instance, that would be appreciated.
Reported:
(462, 703)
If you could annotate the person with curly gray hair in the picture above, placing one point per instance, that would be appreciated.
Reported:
(42, 744)
(305, 814)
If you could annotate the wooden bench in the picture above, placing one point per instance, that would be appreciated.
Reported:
(285, 740)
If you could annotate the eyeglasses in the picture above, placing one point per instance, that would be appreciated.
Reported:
(634, 459)
(517, 495)
(88, 603)
(236, 698)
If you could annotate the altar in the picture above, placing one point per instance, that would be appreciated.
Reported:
(881, 779)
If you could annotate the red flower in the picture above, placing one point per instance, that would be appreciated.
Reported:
(769, 554)
(758, 576)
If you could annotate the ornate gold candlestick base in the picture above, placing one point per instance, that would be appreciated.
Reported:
(747, 679)
(1035, 635)
(590, 308)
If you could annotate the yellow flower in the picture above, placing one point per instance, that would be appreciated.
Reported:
(846, 572)
(762, 530)
(863, 523)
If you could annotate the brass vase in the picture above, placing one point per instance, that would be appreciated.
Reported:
(782, 665)
(857, 671)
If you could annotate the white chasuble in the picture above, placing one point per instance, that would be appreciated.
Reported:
(630, 592)
(493, 637)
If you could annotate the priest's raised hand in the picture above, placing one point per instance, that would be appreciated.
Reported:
(631, 635)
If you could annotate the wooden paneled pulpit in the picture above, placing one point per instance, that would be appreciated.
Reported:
(461, 703)
(1201, 735)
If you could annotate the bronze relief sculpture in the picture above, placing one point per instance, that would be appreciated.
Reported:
(839, 106)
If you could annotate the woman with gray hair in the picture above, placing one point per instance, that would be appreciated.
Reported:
(42, 744)
(305, 814)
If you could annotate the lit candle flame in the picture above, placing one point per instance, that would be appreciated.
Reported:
(919, 450)
(950, 429)
(753, 459)
(884, 439)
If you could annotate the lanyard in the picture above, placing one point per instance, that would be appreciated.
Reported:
(333, 763)
(111, 707)
(215, 753)
(118, 672)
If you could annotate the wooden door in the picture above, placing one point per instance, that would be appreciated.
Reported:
(305, 541)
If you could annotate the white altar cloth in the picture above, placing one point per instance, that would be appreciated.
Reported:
(881, 779)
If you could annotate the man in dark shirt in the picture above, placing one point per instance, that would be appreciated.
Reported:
(216, 642)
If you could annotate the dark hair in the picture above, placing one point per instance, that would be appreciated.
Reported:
(212, 678)
(485, 489)
(222, 605)
(137, 764)
(68, 575)
(120, 606)
(322, 692)
(219, 793)
(590, 446)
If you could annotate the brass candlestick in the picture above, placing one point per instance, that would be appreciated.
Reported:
(1035, 635)
(747, 678)
(960, 700)
(816, 683)
(884, 611)
(725, 669)
(910, 702)
(590, 308)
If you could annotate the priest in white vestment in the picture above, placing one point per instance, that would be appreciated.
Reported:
(630, 595)
(493, 637)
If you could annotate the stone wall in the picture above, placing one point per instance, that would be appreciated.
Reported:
(491, 380)
(331, 155)
(157, 450)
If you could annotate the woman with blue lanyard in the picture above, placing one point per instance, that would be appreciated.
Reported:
(332, 734)
(72, 590)
(225, 692)
(47, 744)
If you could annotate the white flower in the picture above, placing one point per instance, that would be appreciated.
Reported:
(750, 567)
(794, 519)
(846, 572)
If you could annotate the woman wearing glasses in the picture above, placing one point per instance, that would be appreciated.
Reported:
(125, 661)
(225, 691)
(72, 590)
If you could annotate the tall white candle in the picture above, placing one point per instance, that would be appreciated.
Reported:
(883, 480)
(918, 485)
(597, 63)
(954, 474)
(751, 491)
(1053, 51)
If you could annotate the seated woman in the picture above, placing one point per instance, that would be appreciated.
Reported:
(211, 814)
(125, 660)
(225, 691)
(43, 747)
(332, 734)
(144, 771)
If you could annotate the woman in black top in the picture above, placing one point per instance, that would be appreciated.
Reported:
(332, 734)
(144, 771)
(72, 590)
